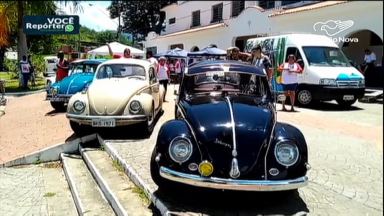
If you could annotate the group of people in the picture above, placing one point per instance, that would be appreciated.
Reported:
(288, 70)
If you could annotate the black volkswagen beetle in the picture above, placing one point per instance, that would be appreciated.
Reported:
(226, 136)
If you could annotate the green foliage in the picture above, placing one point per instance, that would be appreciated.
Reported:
(39, 63)
(13, 69)
(140, 17)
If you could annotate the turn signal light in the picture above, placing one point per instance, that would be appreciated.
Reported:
(205, 168)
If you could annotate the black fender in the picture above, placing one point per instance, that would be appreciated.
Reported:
(285, 131)
(170, 130)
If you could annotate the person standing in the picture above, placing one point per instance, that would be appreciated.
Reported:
(261, 61)
(163, 73)
(126, 53)
(178, 70)
(25, 69)
(62, 67)
(289, 72)
(151, 59)
(32, 71)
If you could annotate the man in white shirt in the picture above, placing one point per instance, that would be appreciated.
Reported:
(163, 73)
(151, 59)
(369, 60)
(25, 69)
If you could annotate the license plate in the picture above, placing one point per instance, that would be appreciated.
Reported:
(59, 99)
(348, 97)
(103, 123)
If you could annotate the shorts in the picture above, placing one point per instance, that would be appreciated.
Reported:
(290, 87)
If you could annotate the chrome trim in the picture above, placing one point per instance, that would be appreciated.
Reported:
(294, 145)
(269, 143)
(231, 184)
(120, 120)
(234, 172)
(234, 152)
(69, 86)
(170, 145)
(180, 109)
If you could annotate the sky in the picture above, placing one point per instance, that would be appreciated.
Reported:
(95, 17)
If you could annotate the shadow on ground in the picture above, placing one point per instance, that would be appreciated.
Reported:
(327, 106)
(214, 202)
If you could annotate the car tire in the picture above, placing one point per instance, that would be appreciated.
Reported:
(346, 104)
(58, 106)
(304, 97)
(147, 126)
(80, 130)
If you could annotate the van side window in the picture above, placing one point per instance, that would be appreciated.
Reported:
(294, 51)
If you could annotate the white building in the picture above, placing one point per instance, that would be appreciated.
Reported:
(193, 25)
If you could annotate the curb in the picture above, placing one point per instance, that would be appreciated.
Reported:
(74, 192)
(52, 153)
(136, 179)
(21, 94)
(2, 107)
(108, 193)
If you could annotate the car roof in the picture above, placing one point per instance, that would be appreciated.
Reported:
(141, 62)
(223, 66)
(89, 61)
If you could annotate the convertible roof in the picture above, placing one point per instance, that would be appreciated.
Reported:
(224, 66)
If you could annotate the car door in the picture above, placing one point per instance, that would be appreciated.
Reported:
(154, 86)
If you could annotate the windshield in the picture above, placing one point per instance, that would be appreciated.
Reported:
(231, 82)
(85, 68)
(121, 71)
(326, 57)
(51, 61)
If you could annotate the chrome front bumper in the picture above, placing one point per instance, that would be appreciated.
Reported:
(58, 98)
(233, 184)
(120, 120)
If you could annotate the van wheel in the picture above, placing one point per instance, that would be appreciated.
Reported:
(304, 97)
(346, 104)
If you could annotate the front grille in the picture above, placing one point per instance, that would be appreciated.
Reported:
(347, 83)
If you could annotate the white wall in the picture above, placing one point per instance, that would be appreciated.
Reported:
(183, 13)
(218, 36)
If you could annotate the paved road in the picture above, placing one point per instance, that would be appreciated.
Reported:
(345, 153)
(30, 125)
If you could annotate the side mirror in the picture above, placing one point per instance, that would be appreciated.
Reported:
(281, 97)
(175, 92)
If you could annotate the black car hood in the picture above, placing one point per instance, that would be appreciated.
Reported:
(210, 117)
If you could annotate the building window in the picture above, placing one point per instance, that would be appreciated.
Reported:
(283, 3)
(195, 19)
(153, 49)
(217, 13)
(172, 21)
(267, 4)
(237, 7)
(174, 46)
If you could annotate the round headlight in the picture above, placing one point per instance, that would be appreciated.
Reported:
(135, 106)
(180, 149)
(286, 153)
(79, 106)
(54, 91)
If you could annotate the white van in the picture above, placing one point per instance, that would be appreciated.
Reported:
(50, 66)
(327, 73)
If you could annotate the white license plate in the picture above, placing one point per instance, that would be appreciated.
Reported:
(348, 97)
(103, 123)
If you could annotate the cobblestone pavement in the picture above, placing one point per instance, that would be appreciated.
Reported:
(30, 125)
(36, 190)
(346, 176)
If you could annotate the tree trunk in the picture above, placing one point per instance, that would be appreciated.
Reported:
(2, 57)
(22, 42)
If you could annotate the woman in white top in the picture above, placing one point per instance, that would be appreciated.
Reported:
(163, 74)
(289, 72)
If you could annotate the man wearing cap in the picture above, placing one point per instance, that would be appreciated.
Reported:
(127, 53)
(163, 73)
(261, 61)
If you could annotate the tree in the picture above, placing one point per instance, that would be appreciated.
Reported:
(10, 9)
(139, 17)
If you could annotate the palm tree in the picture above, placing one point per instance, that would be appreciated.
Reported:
(16, 10)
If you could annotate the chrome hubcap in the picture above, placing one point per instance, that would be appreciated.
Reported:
(305, 97)
(151, 116)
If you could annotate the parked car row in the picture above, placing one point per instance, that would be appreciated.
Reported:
(225, 134)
